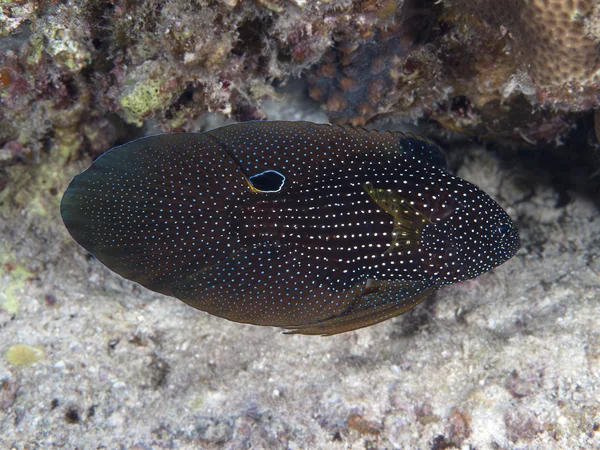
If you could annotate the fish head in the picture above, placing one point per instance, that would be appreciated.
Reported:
(475, 237)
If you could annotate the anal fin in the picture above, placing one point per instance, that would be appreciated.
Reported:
(379, 301)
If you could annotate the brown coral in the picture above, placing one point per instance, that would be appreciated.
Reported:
(352, 80)
(365, 74)
(556, 41)
(497, 69)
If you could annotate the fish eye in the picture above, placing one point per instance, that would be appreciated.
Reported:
(267, 181)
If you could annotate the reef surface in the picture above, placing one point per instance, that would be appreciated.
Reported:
(78, 76)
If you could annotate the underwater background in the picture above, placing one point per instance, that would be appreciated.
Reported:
(508, 360)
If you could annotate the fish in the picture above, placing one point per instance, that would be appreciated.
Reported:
(317, 229)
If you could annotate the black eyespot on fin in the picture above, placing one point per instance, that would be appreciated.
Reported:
(267, 181)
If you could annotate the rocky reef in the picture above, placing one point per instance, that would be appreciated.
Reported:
(498, 70)
(79, 76)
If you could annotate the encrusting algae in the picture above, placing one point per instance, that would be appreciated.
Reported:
(318, 229)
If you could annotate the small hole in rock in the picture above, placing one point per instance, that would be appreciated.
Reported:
(72, 416)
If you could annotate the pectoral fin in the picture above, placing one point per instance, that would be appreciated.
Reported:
(409, 221)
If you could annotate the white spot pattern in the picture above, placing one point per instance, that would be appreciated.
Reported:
(179, 214)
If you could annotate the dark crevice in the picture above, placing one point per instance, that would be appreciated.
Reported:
(250, 36)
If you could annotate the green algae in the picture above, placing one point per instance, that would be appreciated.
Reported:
(146, 91)
(141, 100)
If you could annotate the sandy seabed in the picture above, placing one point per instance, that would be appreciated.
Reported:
(510, 360)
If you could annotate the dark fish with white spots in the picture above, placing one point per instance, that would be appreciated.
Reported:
(319, 229)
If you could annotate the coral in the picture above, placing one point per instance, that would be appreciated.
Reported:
(67, 41)
(351, 79)
(555, 42)
(13, 14)
(75, 78)
(74, 75)
(503, 70)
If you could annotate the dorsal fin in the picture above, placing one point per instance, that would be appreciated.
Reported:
(259, 147)
(425, 149)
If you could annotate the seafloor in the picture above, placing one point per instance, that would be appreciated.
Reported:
(510, 360)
